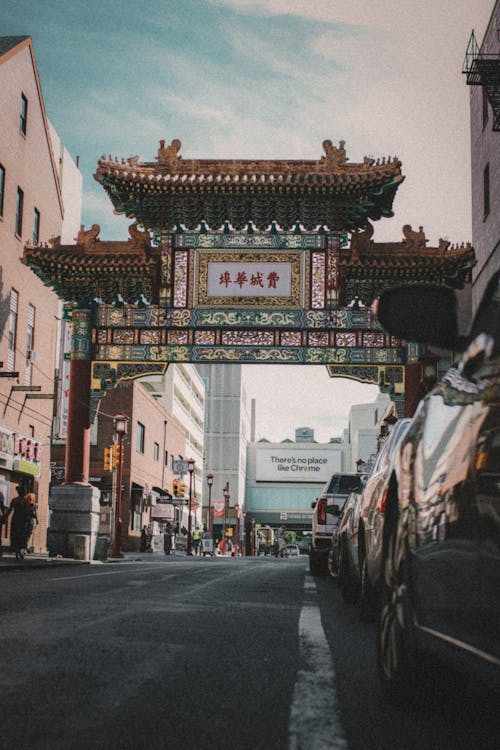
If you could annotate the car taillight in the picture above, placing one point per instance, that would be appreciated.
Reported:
(321, 511)
(383, 502)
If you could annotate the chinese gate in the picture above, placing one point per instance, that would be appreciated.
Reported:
(238, 262)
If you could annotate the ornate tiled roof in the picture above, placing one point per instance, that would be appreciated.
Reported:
(133, 268)
(328, 192)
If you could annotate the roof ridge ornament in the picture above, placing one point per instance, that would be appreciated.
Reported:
(169, 155)
(334, 156)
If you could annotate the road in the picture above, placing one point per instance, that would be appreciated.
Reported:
(177, 652)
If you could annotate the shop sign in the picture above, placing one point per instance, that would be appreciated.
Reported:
(249, 279)
(20, 453)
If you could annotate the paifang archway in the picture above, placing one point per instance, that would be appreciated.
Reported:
(238, 261)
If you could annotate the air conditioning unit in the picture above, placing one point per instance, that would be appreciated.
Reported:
(30, 355)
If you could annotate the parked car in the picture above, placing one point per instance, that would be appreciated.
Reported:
(292, 550)
(325, 516)
(304, 542)
(370, 518)
(346, 544)
(440, 592)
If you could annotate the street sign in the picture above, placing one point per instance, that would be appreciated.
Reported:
(179, 466)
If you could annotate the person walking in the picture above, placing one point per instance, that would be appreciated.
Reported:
(197, 540)
(4, 515)
(32, 521)
(20, 527)
(281, 541)
(167, 539)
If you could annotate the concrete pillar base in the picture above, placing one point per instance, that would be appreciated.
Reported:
(74, 512)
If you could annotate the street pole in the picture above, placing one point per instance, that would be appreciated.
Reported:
(120, 426)
(237, 528)
(226, 500)
(210, 481)
(189, 547)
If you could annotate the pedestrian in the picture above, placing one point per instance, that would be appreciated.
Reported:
(33, 521)
(144, 538)
(4, 515)
(197, 540)
(167, 539)
(20, 527)
(281, 541)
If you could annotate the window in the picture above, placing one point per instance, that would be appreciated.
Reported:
(19, 212)
(141, 433)
(12, 330)
(36, 226)
(2, 187)
(23, 118)
(30, 345)
(486, 191)
(156, 451)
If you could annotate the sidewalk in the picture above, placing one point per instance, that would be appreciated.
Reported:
(8, 561)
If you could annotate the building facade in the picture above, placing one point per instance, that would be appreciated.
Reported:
(181, 392)
(34, 207)
(482, 65)
(283, 478)
(227, 433)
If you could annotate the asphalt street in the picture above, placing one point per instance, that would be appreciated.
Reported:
(157, 653)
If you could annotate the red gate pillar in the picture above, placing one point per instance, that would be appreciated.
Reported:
(75, 510)
(77, 457)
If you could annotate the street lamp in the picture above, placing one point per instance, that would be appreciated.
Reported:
(210, 481)
(189, 548)
(226, 494)
(120, 428)
(237, 528)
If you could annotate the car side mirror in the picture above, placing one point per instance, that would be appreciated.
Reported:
(334, 510)
(424, 314)
(313, 504)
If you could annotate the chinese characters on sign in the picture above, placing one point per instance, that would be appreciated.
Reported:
(249, 279)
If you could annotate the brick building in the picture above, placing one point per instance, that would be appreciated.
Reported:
(32, 209)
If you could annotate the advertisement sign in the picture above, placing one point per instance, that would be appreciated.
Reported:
(296, 465)
(219, 506)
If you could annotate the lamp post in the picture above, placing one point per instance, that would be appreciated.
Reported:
(237, 528)
(210, 481)
(120, 428)
(189, 547)
(226, 494)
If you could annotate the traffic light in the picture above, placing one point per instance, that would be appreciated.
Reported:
(175, 487)
(183, 489)
(108, 459)
(116, 455)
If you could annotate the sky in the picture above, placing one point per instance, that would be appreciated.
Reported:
(267, 79)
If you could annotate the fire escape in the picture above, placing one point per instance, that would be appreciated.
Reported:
(483, 69)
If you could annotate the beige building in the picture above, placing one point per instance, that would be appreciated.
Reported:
(31, 210)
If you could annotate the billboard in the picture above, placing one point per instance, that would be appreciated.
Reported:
(294, 464)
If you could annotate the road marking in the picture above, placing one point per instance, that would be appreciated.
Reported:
(106, 573)
(314, 722)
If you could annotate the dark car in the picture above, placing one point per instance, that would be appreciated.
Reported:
(371, 517)
(440, 592)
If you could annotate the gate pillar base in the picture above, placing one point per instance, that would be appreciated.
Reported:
(74, 512)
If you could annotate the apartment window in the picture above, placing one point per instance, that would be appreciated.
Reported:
(486, 191)
(12, 330)
(156, 451)
(36, 226)
(30, 345)
(2, 187)
(19, 212)
(141, 434)
(23, 118)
